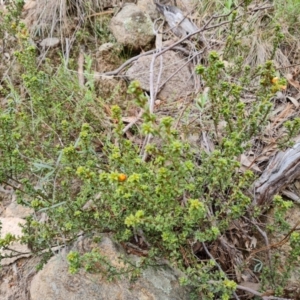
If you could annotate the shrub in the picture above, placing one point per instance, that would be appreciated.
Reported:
(68, 158)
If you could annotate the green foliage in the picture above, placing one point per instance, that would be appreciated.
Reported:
(10, 21)
(286, 14)
(271, 278)
(177, 197)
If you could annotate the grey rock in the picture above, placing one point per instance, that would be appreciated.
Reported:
(148, 7)
(49, 42)
(54, 281)
(11, 225)
(178, 78)
(104, 4)
(104, 48)
(132, 28)
(16, 210)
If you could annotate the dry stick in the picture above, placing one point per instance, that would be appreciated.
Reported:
(181, 114)
(256, 293)
(127, 127)
(188, 61)
(263, 233)
(151, 83)
(247, 289)
(151, 104)
(157, 89)
(291, 66)
(153, 94)
(274, 298)
(125, 64)
(204, 27)
(80, 68)
(101, 13)
(219, 267)
(278, 244)
(261, 8)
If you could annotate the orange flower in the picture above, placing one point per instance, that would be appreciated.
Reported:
(122, 177)
(274, 80)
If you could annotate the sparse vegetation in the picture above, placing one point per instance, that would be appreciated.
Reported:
(65, 153)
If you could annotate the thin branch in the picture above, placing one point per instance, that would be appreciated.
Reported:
(127, 127)
(108, 12)
(80, 68)
(256, 293)
(265, 236)
(219, 267)
(286, 67)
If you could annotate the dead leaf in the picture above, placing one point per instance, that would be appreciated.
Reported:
(292, 81)
(129, 119)
(29, 4)
(293, 100)
(283, 115)
(251, 285)
(249, 163)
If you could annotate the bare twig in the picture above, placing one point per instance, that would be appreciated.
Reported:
(265, 236)
(219, 267)
(181, 114)
(278, 244)
(108, 12)
(286, 67)
(127, 127)
(256, 293)
(80, 68)
(182, 66)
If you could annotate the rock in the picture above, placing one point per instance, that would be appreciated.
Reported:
(11, 225)
(132, 28)
(15, 279)
(104, 4)
(178, 85)
(13, 209)
(148, 7)
(104, 48)
(49, 42)
(186, 5)
(54, 281)
(16, 210)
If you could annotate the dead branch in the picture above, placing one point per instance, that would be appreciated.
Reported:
(283, 168)
(256, 293)
(278, 244)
